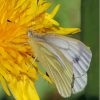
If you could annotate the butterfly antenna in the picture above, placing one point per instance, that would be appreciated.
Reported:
(32, 64)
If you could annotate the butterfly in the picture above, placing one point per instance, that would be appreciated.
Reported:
(66, 60)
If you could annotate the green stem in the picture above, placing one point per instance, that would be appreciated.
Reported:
(90, 36)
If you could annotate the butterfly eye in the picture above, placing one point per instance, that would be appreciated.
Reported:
(30, 34)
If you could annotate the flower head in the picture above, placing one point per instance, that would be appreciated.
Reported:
(18, 71)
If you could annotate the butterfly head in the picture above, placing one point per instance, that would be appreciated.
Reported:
(34, 36)
(30, 34)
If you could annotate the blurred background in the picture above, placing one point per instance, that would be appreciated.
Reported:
(83, 14)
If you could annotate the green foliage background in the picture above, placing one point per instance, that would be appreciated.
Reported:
(83, 14)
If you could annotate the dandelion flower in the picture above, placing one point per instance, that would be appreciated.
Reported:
(18, 72)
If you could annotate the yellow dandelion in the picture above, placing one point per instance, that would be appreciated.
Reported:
(18, 70)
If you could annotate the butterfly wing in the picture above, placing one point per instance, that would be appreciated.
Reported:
(55, 63)
(79, 83)
(77, 53)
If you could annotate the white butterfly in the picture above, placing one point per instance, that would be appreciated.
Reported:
(65, 59)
